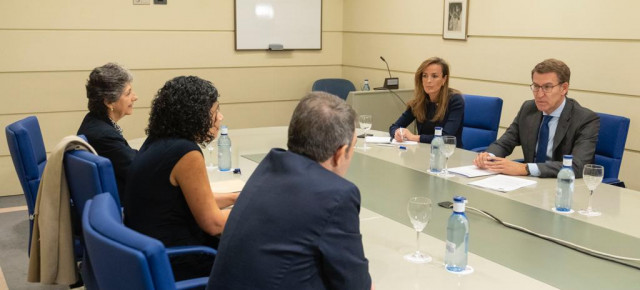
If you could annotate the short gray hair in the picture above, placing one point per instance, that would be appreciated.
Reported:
(320, 125)
(106, 83)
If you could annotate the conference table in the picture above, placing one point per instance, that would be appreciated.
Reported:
(502, 258)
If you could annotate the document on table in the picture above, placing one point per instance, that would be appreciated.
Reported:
(471, 171)
(227, 186)
(387, 140)
(503, 183)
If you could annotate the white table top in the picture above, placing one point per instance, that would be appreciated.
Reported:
(387, 235)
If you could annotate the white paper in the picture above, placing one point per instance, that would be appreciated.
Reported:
(227, 186)
(503, 183)
(387, 140)
(404, 142)
(378, 140)
(471, 171)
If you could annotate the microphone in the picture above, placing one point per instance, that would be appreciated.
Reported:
(385, 62)
(388, 86)
(390, 82)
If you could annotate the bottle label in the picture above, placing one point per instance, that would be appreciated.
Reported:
(458, 206)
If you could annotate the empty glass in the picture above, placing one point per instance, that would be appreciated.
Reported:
(419, 211)
(366, 122)
(447, 150)
(212, 156)
(592, 175)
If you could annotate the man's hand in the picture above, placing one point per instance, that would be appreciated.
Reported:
(484, 160)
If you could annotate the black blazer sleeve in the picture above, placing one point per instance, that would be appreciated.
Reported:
(343, 260)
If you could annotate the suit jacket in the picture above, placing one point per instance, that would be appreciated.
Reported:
(110, 144)
(294, 226)
(576, 134)
(52, 258)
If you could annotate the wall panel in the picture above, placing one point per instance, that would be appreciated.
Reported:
(41, 50)
(614, 19)
(122, 15)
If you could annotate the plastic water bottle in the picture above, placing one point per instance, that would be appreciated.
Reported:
(457, 247)
(224, 150)
(566, 178)
(365, 87)
(437, 159)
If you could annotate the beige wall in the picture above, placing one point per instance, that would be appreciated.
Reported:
(48, 49)
(599, 40)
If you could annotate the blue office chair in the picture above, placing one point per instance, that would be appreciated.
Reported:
(481, 121)
(29, 158)
(610, 147)
(338, 87)
(87, 176)
(125, 259)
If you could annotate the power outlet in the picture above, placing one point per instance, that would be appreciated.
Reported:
(141, 2)
(161, 2)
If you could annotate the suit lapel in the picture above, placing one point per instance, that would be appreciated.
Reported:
(563, 125)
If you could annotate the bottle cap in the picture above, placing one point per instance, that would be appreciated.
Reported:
(567, 160)
(438, 131)
(224, 130)
(458, 203)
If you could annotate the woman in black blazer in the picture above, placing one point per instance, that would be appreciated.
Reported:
(111, 97)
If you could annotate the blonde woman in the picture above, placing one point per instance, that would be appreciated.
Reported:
(434, 105)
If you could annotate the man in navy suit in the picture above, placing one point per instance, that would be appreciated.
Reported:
(569, 129)
(295, 225)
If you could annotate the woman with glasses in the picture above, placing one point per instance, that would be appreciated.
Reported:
(434, 104)
(111, 98)
(168, 194)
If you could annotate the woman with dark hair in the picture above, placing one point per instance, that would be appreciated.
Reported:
(168, 195)
(111, 97)
(434, 104)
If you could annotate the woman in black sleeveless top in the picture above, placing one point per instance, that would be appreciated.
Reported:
(168, 195)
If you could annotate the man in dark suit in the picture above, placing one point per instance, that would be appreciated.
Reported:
(566, 128)
(295, 225)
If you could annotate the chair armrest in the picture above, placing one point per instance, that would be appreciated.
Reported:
(196, 283)
(614, 182)
(182, 250)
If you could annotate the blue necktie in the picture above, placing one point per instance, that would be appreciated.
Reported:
(543, 140)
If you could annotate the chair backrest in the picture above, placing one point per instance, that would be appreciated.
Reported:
(87, 176)
(611, 141)
(338, 87)
(481, 121)
(28, 154)
(29, 158)
(122, 258)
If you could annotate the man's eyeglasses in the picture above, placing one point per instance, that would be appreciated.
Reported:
(546, 88)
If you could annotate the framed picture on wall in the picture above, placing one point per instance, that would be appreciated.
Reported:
(455, 19)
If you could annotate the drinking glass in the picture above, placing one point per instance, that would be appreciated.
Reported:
(447, 150)
(212, 156)
(365, 123)
(419, 210)
(592, 175)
